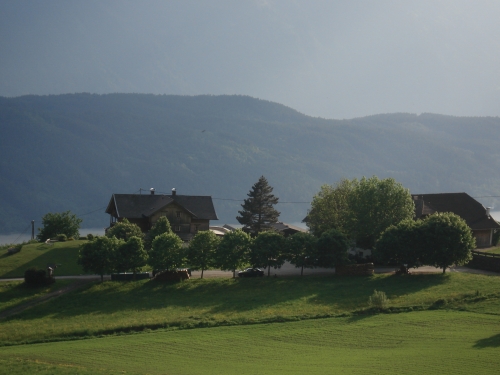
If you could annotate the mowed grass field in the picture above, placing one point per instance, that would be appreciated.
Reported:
(425, 342)
(40, 255)
(115, 307)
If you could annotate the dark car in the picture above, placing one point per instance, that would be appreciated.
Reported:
(251, 272)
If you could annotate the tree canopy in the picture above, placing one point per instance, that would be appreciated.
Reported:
(202, 248)
(233, 251)
(124, 230)
(130, 255)
(301, 250)
(167, 252)
(258, 210)
(267, 251)
(59, 223)
(361, 209)
(98, 255)
(161, 226)
(332, 249)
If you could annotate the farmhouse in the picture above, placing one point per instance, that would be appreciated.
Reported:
(187, 214)
(474, 213)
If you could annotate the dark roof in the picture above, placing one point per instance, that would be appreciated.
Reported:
(461, 204)
(136, 206)
(279, 226)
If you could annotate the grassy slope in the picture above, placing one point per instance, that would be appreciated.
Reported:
(15, 293)
(114, 306)
(39, 255)
(428, 342)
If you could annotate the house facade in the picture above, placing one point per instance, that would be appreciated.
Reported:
(474, 213)
(187, 214)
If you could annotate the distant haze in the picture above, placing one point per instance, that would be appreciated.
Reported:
(334, 59)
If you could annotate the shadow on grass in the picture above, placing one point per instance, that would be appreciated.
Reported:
(221, 296)
(490, 342)
(57, 254)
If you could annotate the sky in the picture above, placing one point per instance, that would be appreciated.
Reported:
(331, 59)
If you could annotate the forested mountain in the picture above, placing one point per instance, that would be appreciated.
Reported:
(71, 152)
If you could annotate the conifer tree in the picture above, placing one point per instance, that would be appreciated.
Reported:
(258, 212)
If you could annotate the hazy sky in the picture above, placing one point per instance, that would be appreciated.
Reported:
(334, 59)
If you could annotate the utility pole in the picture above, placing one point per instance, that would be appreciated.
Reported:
(32, 229)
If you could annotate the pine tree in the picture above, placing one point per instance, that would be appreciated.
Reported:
(258, 212)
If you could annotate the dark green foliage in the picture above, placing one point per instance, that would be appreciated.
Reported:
(36, 277)
(332, 249)
(130, 256)
(202, 249)
(167, 252)
(59, 223)
(258, 210)
(233, 251)
(447, 240)
(161, 226)
(124, 230)
(268, 250)
(62, 237)
(98, 256)
(301, 249)
(401, 244)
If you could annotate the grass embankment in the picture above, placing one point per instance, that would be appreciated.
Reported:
(40, 255)
(13, 294)
(492, 250)
(427, 342)
(132, 306)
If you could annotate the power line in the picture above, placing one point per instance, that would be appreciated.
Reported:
(24, 232)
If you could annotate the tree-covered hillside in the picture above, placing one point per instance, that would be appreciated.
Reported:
(71, 152)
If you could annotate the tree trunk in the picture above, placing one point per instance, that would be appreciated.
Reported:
(134, 273)
(268, 270)
(444, 270)
(234, 274)
(202, 273)
(102, 277)
(302, 271)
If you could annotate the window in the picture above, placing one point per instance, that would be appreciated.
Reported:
(179, 214)
(177, 228)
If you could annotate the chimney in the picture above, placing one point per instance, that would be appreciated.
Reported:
(173, 192)
(152, 190)
(488, 211)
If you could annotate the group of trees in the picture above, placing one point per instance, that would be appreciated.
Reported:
(440, 240)
(236, 250)
(378, 214)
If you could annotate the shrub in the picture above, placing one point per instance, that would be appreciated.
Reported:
(90, 236)
(378, 299)
(62, 237)
(36, 277)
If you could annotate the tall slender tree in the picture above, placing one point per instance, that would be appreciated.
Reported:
(258, 212)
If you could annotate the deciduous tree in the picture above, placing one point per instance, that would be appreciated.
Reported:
(98, 255)
(161, 226)
(258, 211)
(130, 256)
(167, 252)
(201, 252)
(332, 249)
(267, 251)
(302, 250)
(448, 240)
(59, 223)
(233, 251)
(124, 230)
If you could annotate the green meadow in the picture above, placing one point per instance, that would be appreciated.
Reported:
(116, 307)
(39, 255)
(427, 342)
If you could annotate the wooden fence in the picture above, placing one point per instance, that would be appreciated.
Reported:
(485, 261)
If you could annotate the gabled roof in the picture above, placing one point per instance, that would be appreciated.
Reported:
(461, 204)
(136, 206)
(279, 226)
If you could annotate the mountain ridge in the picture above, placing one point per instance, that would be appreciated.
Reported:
(72, 151)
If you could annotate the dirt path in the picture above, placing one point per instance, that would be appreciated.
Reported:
(57, 293)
